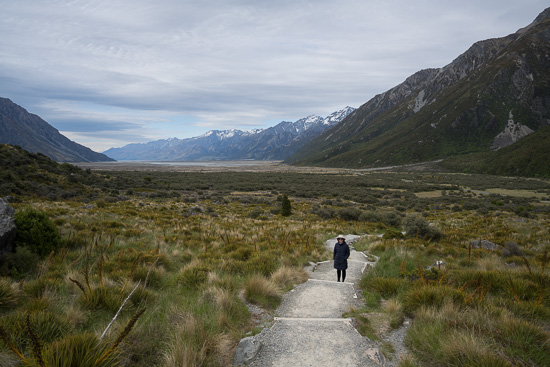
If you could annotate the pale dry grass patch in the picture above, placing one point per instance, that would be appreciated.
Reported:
(213, 278)
(492, 262)
(75, 316)
(462, 346)
(262, 291)
(393, 306)
(189, 344)
(222, 298)
(225, 346)
(430, 314)
(403, 252)
(287, 276)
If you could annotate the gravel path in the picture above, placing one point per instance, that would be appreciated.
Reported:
(309, 329)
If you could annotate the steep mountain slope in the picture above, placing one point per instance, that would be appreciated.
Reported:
(19, 127)
(274, 143)
(489, 97)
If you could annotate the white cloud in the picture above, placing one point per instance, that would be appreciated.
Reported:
(174, 67)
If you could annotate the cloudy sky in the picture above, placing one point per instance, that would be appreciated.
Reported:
(107, 73)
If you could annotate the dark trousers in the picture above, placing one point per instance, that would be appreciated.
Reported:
(342, 273)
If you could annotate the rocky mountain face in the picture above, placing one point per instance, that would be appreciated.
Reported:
(274, 143)
(491, 96)
(29, 131)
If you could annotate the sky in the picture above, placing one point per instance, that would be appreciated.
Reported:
(107, 73)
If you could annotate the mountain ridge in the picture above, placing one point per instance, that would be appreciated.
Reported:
(32, 133)
(272, 143)
(457, 109)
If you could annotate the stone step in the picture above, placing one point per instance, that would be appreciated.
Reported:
(304, 343)
(318, 299)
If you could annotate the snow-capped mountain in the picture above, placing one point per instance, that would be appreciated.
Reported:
(274, 143)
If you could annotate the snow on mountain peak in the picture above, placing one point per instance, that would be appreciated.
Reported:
(338, 116)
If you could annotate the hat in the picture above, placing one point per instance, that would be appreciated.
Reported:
(341, 236)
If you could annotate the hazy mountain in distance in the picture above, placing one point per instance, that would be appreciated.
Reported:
(274, 143)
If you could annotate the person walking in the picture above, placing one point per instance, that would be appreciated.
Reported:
(340, 257)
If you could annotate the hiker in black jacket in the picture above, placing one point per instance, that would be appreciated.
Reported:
(340, 257)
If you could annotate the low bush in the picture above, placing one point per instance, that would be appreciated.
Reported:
(36, 231)
(420, 228)
(23, 262)
(349, 213)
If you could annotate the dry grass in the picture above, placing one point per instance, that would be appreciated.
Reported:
(286, 277)
(393, 307)
(262, 291)
(189, 344)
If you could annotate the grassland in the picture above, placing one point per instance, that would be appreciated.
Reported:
(190, 250)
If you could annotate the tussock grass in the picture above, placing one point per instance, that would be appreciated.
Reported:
(387, 287)
(83, 350)
(9, 296)
(190, 344)
(191, 241)
(262, 291)
(287, 277)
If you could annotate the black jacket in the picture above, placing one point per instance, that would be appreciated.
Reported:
(341, 254)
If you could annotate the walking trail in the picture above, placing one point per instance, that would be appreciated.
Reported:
(309, 329)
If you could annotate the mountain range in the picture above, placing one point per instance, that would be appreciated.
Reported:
(274, 143)
(32, 133)
(488, 111)
(487, 99)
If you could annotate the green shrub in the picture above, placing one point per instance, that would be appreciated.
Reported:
(511, 249)
(286, 208)
(392, 219)
(370, 216)
(393, 233)
(36, 230)
(22, 262)
(349, 213)
(420, 228)
(325, 212)
(254, 214)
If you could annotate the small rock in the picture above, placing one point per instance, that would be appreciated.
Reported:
(438, 264)
(7, 227)
(375, 355)
(486, 245)
(246, 351)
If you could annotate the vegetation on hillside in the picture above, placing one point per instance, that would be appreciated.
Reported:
(528, 158)
(180, 256)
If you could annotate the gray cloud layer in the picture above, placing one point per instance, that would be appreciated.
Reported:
(107, 73)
